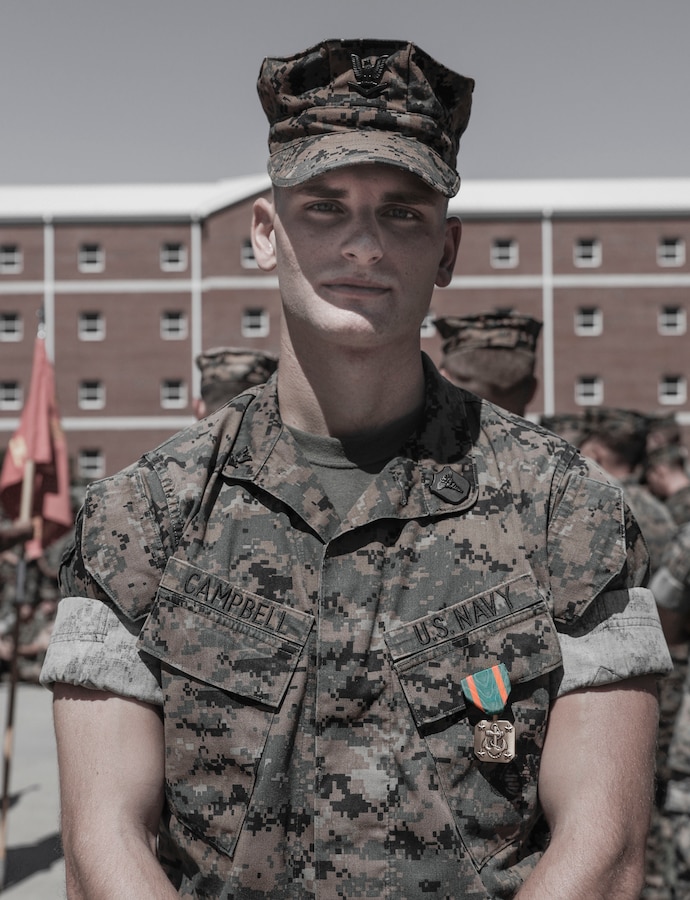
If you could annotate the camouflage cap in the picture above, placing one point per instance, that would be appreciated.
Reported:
(234, 366)
(569, 426)
(503, 329)
(623, 431)
(344, 102)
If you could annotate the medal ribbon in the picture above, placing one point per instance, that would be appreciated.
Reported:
(488, 689)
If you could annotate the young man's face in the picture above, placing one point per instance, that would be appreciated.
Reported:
(358, 252)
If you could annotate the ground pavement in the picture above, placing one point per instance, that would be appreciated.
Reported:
(34, 868)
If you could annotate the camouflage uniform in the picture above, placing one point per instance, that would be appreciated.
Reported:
(227, 371)
(671, 585)
(318, 742)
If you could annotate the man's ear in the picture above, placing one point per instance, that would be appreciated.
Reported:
(263, 244)
(450, 251)
(199, 407)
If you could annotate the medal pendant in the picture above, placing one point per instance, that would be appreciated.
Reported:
(494, 741)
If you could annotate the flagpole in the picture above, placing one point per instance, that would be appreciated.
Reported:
(26, 505)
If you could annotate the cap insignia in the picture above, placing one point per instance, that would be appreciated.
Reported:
(368, 77)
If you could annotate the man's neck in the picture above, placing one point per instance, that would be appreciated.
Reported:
(339, 392)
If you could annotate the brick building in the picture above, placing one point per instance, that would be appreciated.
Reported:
(134, 281)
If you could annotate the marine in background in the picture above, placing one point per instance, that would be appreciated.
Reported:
(492, 355)
(226, 372)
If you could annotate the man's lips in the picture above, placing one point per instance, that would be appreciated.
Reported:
(356, 287)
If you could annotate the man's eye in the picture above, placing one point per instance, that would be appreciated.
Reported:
(323, 206)
(398, 212)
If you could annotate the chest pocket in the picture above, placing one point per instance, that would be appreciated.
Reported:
(493, 804)
(228, 662)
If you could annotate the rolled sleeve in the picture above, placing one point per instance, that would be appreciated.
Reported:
(618, 637)
(94, 646)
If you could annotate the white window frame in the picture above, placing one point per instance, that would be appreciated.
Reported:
(90, 464)
(91, 257)
(91, 394)
(670, 251)
(666, 326)
(247, 258)
(91, 326)
(11, 396)
(173, 256)
(505, 253)
(591, 328)
(673, 390)
(587, 253)
(168, 387)
(255, 322)
(174, 333)
(11, 259)
(11, 327)
(589, 390)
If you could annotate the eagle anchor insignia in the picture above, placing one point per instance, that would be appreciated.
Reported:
(368, 77)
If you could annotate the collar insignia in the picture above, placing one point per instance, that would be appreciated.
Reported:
(368, 77)
(238, 459)
(449, 486)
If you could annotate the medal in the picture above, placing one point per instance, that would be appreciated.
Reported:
(488, 690)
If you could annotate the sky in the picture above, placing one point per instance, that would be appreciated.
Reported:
(135, 91)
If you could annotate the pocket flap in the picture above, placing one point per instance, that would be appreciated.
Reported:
(509, 623)
(227, 637)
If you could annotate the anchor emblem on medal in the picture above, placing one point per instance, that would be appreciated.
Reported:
(488, 690)
(494, 741)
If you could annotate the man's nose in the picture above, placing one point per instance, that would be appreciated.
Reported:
(363, 242)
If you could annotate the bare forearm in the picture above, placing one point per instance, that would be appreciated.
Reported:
(577, 874)
(110, 756)
(106, 871)
(597, 793)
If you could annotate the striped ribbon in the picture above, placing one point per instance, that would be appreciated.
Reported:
(488, 689)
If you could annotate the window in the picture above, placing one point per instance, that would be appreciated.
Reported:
(11, 259)
(91, 464)
(589, 321)
(11, 327)
(670, 251)
(173, 257)
(255, 323)
(91, 395)
(589, 390)
(587, 252)
(173, 394)
(173, 325)
(91, 326)
(672, 320)
(504, 253)
(247, 257)
(10, 395)
(672, 389)
(91, 258)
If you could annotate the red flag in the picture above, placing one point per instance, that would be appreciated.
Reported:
(41, 441)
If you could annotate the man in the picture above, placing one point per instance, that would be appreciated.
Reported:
(493, 355)
(671, 585)
(616, 439)
(666, 468)
(373, 591)
(226, 372)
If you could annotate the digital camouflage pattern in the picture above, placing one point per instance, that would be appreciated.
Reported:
(498, 330)
(654, 519)
(318, 742)
(238, 368)
(340, 103)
